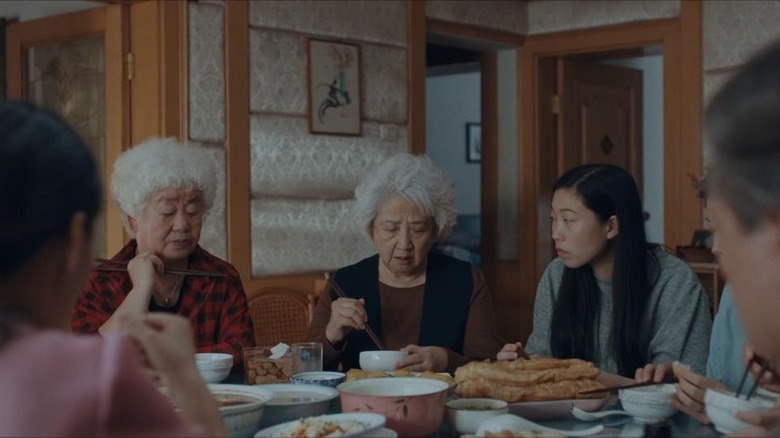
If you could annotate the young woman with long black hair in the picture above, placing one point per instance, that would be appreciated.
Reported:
(610, 297)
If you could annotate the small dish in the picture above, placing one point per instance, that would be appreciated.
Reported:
(330, 379)
(649, 404)
(466, 414)
(380, 360)
(214, 367)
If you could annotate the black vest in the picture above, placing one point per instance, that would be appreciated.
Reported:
(448, 289)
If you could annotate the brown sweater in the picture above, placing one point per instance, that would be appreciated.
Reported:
(402, 310)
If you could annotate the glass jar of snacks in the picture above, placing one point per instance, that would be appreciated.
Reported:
(261, 366)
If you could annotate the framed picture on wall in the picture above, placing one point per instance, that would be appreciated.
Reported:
(473, 143)
(334, 87)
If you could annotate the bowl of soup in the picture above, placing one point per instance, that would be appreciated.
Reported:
(241, 408)
(294, 401)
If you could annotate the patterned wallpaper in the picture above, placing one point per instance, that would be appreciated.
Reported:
(384, 79)
(207, 72)
(365, 20)
(733, 30)
(508, 15)
(550, 16)
(278, 71)
(713, 82)
(323, 166)
(207, 107)
(301, 183)
(304, 236)
(212, 235)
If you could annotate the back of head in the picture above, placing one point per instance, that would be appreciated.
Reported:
(47, 174)
(412, 177)
(743, 129)
(609, 190)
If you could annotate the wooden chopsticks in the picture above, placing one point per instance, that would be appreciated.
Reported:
(613, 389)
(369, 332)
(765, 366)
(122, 266)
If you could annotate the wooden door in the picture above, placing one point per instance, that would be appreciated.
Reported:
(600, 116)
(73, 64)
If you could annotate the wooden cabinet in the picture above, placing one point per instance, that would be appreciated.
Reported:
(711, 280)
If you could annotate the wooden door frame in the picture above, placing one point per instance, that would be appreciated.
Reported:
(682, 123)
(113, 22)
(500, 275)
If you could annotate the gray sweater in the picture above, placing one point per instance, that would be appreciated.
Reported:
(677, 312)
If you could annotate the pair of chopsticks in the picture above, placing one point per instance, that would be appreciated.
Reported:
(614, 389)
(116, 265)
(765, 366)
(369, 332)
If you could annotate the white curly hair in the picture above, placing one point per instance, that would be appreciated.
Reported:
(161, 163)
(414, 178)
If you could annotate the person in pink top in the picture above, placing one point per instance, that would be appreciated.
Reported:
(55, 383)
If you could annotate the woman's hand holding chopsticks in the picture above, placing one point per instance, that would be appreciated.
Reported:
(346, 314)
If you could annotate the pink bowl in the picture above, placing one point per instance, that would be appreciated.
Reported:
(412, 406)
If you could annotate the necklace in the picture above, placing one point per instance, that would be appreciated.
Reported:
(167, 300)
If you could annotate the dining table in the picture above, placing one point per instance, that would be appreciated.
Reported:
(681, 424)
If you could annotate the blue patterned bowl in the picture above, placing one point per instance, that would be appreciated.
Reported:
(330, 379)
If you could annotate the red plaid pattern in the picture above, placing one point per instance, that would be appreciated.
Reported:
(215, 306)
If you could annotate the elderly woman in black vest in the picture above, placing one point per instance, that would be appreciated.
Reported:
(436, 308)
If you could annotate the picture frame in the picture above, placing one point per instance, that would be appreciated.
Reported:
(333, 87)
(473, 142)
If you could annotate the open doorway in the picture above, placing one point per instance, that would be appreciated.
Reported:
(485, 143)
(453, 139)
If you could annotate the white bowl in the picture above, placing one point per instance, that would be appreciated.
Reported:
(466, 414)
(294, 401)
(383, 360)
(241, 419)
(214, 367)
(649, 404)
(322, 378)
(720, 407)
(369, 423)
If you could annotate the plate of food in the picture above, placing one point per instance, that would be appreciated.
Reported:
(355, 374)
(537, 389)
(344, 425)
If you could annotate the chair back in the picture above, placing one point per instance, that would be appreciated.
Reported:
(280, 315)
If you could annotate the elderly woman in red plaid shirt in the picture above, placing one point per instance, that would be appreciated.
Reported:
(164, 190)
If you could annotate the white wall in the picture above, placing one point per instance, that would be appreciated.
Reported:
(653, 139)
(452, 101)
(26, 10)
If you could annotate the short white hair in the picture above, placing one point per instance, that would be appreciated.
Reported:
(411, 177)
(158, 164)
